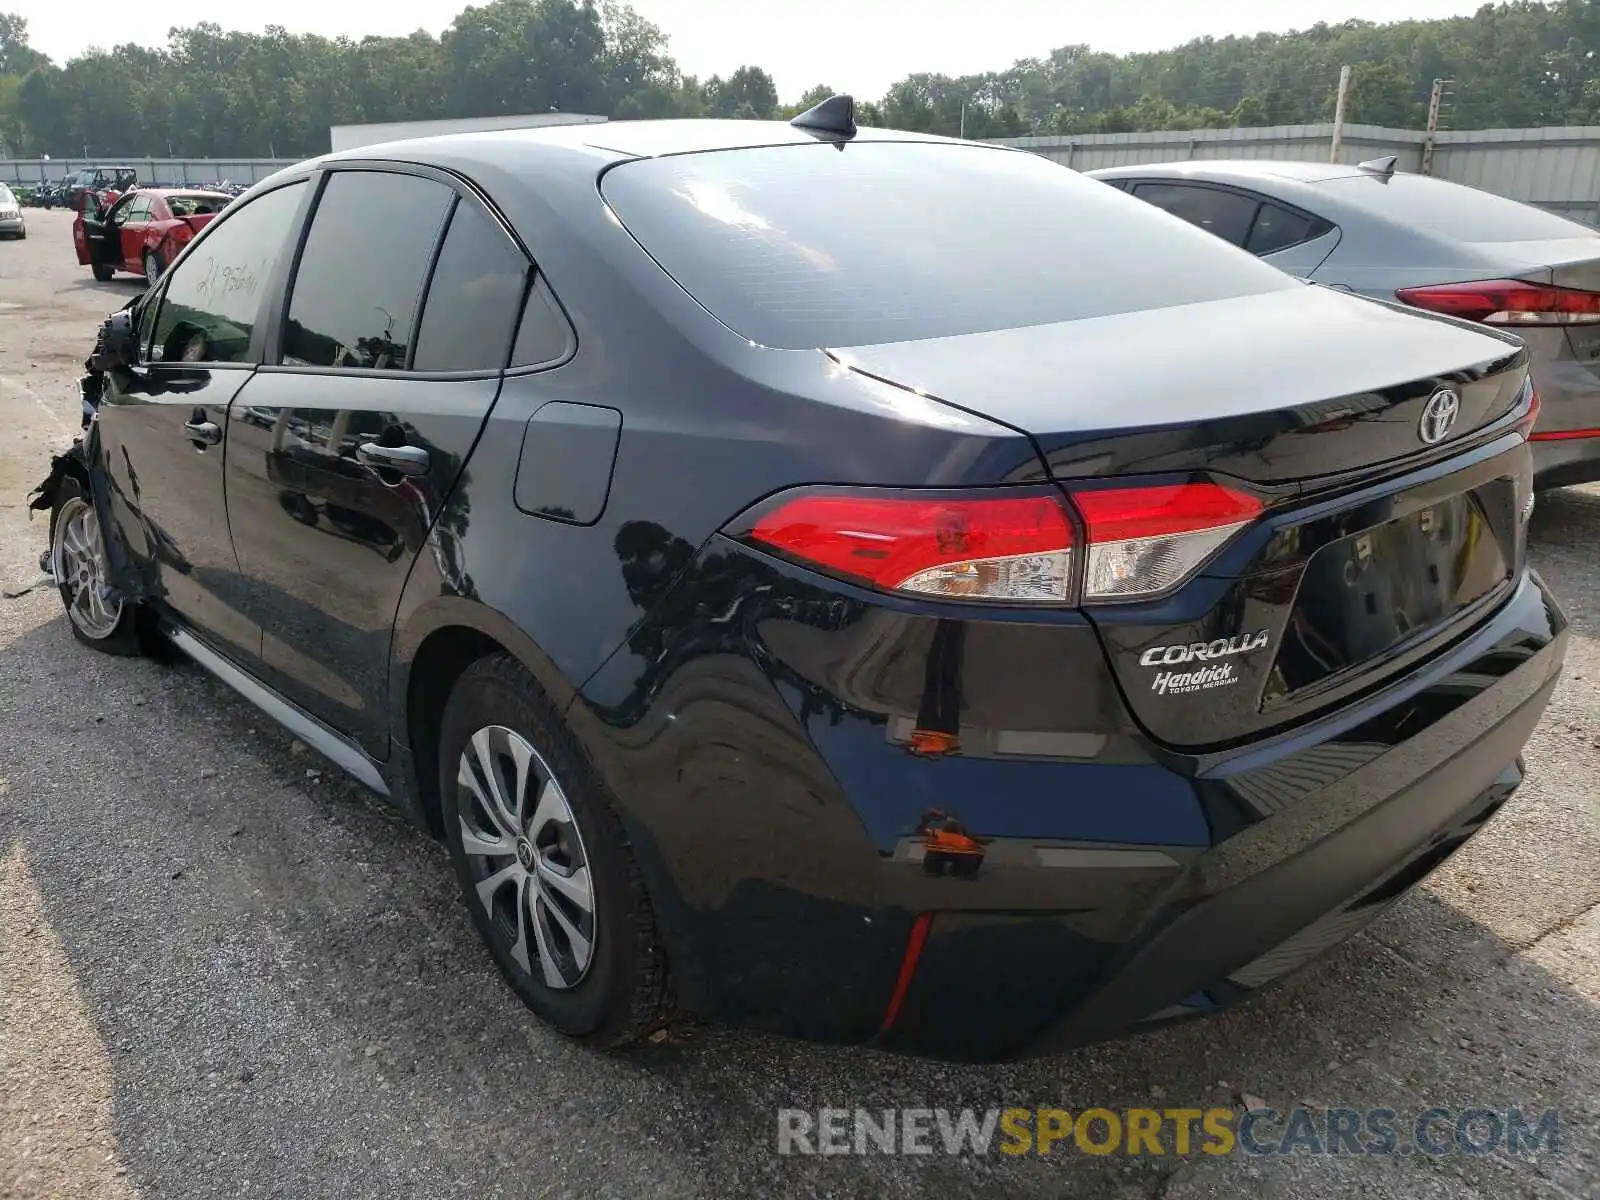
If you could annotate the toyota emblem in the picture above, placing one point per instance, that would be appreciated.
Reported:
(1439, 416)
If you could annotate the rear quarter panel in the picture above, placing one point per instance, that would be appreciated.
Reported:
(710, 424)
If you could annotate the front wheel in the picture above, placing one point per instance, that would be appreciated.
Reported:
(78, 561)
(544, 862)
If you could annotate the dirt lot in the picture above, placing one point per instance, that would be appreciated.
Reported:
(224, 972)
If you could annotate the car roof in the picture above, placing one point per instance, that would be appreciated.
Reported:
(542, 181)
(629, 139)
(1233, 169)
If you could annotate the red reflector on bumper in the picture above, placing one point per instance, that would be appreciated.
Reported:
(1563, 435)
(908, 968)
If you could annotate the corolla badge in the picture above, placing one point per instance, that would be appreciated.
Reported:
(1171, 656)
(1439, 416)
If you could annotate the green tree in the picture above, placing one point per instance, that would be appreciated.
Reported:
(748, 93)
(16, 56)
(212, 92)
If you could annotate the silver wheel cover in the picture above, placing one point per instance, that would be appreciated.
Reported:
(527, 857)
(78, 558)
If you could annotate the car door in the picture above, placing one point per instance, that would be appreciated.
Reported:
(343, 452)
(96, 231)
(131, 218)
(161, 424)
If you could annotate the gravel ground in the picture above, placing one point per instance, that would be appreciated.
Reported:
(226, 972)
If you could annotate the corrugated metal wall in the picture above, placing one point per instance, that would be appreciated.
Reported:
(1556, 168)
(151, 170)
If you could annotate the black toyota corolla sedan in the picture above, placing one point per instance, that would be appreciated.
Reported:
(857, 584)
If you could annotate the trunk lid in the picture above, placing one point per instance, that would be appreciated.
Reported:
(1282, 387)
(1576, 264)
(1375, 548)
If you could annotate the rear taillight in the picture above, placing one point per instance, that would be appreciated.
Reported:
(1531, 417)
(1015, 546)
(1145, 540)
(1507, 302)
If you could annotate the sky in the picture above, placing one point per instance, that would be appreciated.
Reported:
(857, 46)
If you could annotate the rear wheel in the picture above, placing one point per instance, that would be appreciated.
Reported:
(153, 266)
(102, 272)
(78, 561)
(544, 863)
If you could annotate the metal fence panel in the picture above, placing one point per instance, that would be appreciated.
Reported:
(1556, 168)
(151, 170)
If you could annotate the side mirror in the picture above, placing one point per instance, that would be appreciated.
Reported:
(118, 343)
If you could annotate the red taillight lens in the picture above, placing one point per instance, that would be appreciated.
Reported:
(1507, 302)
(1145, 540)
(1531, 417)
(1019, 548)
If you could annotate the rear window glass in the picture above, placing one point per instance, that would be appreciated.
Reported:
(192, 206)
(1452, 209)
(1279, 228)
(1227, 215)
(806, 246)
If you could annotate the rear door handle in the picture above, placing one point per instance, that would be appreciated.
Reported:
(402, 460)
(198, 429)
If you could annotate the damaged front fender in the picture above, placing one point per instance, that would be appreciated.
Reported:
(82, 463)
(72, 463)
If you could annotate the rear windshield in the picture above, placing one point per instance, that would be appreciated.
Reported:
(809, 246)
(190, 206)
(1452, 209)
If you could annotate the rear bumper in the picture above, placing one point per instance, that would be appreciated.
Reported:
(1569, 393)
(1067, 880)
(1565, 462)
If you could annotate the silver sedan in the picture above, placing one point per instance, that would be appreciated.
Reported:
(1435, 245)
(12, 223)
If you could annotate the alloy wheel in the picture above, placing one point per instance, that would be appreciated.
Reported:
(527, 857)
(79, 562)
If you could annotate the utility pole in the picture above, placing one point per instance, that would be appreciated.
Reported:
(1338, 114)
(1435, 102)
(963, 120)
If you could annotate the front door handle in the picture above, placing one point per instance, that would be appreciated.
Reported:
(402, 460)
(198, 429)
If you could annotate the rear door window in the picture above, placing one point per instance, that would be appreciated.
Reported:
(473, 298)
(358, 290)
(1227, 215)
(1277, 228)
(813, 245)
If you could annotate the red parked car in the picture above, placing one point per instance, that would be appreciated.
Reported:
(140, 232)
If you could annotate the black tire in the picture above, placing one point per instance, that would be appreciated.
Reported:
(154, 267)
(122, 636)
(621, 995)
(102, 272)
